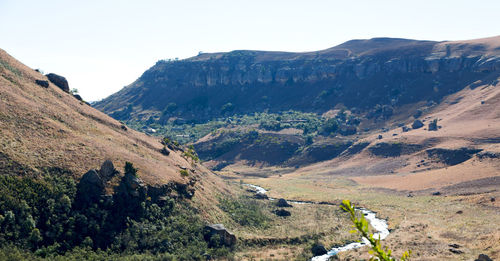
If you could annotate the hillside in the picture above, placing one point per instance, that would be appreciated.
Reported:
(359, 74)
(47, 127)
(53, 203)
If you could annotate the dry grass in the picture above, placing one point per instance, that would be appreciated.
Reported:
(287, 238)
(46, 127)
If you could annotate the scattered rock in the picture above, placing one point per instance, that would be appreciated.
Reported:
(282, 213)
(483, 257)
(283, 204)
(379, 137)
(410, 195)
(405, 129)
(482, 102)
(123, 127)
(460, 212)
(59, 81)
(492, 199)
(44, 84)
(417, 124)
(318, 250)
(437, 193)
(226, 238)
(454, 245)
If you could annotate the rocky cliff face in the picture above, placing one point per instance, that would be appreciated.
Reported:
(358, 73)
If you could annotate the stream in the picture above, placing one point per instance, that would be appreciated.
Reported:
(380, 225)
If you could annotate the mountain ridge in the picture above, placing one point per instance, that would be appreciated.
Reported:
(354, 74)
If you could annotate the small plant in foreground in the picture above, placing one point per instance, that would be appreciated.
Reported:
(361, 225)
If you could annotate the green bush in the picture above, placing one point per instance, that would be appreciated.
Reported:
(245, 211)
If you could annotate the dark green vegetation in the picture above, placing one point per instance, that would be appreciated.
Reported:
(190, 131)
(52, 217)
(245, 211)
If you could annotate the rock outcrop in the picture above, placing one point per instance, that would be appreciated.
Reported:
(483, 257)
(107, 171)
(318, 250)
(282, 213)
(59, 81)
(44, 84)
(282, 203)
(375, 75)
(90, 189)
(224, 237)
(417, 124)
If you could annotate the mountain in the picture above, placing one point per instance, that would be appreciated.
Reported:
(358, 74)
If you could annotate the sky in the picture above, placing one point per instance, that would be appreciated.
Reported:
(100, 46)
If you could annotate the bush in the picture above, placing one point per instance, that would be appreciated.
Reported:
(245, 211)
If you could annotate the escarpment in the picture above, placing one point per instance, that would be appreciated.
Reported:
(359, 74)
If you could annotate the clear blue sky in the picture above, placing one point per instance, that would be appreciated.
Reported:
(101, 46)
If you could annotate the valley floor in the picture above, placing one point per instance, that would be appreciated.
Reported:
(459, 223)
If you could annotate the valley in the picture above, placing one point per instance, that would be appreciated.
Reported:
(407, 130)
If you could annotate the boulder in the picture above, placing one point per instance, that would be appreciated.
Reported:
(164, 151)
(78, 97)
(59, 81)
(483, 257)
(44, 84)
(89, 190)
(283, 204)
(405, 129)
(107, 171)
(282, 213)
(318, 250)
(433, 125)
(226, 238)
(260, 195)
(417, 124)
(134, 186)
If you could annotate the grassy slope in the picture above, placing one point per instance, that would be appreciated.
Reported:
(46, 127)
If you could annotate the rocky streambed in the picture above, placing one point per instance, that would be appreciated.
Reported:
(380, 225)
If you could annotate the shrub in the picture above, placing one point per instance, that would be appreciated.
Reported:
(245, 211)
(184, 173)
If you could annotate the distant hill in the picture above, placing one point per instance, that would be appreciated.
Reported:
(361, 75)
